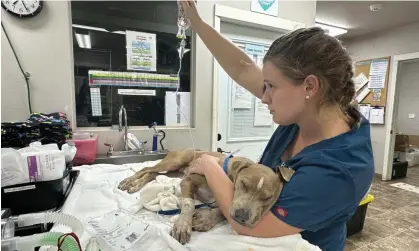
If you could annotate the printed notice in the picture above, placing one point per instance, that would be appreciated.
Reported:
(360, 81)
(95, 101)
(262, 116)
(365, 111)
(137, 92)
(141, 51)
(377, 115)
(242, 98)
(118, 229)
(18, 189)
(378, 67)
(362, 95)
(377, 81)
(376, 95)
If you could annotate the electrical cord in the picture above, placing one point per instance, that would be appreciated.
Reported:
(25, 75)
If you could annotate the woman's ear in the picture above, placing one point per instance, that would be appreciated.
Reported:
(312, 85)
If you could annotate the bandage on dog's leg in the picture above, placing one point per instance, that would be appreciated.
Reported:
(205, 219)
(182, 228)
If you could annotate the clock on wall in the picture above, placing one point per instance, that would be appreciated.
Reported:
(22, 8)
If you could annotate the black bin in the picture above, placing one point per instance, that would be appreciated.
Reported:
(356, 223)
(39, 196)
(399, 169)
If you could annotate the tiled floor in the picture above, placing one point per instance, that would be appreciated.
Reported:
(392, 222)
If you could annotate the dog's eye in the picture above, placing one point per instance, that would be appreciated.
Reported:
(266, 199)
(244, 186)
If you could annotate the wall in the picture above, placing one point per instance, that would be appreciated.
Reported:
(391, 42)
(408, 99)
(45, 48)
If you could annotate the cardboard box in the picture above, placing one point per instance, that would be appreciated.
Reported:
(401, 143)
(414, 141)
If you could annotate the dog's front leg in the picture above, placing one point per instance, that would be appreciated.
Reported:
(205, 219)
(182, 228)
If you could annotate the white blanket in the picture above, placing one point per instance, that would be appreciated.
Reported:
(96, 193)
(163, 193)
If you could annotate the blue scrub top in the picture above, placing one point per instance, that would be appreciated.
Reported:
(331, 178)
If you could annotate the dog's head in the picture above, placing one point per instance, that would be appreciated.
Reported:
(256, 189)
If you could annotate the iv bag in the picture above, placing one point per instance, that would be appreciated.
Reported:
(183, 23)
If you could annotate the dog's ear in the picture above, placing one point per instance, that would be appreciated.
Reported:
(235, 168)
(285, 173)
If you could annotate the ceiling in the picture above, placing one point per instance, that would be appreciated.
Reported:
(359, 20)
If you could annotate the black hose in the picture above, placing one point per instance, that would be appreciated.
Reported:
(21, 69)
(164, 136)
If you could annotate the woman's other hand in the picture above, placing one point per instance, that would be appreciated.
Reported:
(189, 7)
(204, 163)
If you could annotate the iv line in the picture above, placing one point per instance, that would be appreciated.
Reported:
(181, 53)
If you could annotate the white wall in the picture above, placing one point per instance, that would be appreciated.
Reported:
(392, 42)
(44, 44)
(408, 98)
(44, 47)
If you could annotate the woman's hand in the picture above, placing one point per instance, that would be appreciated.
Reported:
(204, 163)
(189, 7)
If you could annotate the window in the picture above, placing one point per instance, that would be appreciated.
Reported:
(113, 67)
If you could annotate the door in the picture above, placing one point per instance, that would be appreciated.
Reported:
(243, 121)
(401, 75)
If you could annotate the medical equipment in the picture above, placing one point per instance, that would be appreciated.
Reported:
(123, 111)
(156, 135)
(66, 241)
(182, 22)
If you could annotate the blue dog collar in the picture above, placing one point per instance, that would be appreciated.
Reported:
(225, 165)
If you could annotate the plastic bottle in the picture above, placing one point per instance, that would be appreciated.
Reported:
(69, 149)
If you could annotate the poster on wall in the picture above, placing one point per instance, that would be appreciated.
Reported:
(376, 95)
(255, 52)
(268, 7)
(95, 101)
(141, 51)
(262, 115)
(242, 98)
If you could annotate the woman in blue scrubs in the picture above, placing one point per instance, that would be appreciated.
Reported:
(306, 84)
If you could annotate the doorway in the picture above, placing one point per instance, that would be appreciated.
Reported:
(243, 121)
(403, 103)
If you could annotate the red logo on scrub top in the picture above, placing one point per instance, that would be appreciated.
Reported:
(282, 212)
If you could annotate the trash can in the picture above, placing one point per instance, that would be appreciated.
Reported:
(356, 223)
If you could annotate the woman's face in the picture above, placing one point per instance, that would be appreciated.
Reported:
(285, 100)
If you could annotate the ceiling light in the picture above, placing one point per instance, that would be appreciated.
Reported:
(331, 30)
(119, 32)
(88, 27)
(83, 40)
(376, 7)
(96, 29)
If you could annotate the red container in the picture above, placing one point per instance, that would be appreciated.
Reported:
(86, 150)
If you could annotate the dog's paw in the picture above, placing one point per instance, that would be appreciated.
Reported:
(205, 219)
(125, 184)
(182, 230)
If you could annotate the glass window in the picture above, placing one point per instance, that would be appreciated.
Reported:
(115, 63)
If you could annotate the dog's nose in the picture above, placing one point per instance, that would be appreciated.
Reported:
(241, 215)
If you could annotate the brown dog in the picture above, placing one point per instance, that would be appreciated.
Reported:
(256, 188)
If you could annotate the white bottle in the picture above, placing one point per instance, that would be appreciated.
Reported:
(69, 150)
